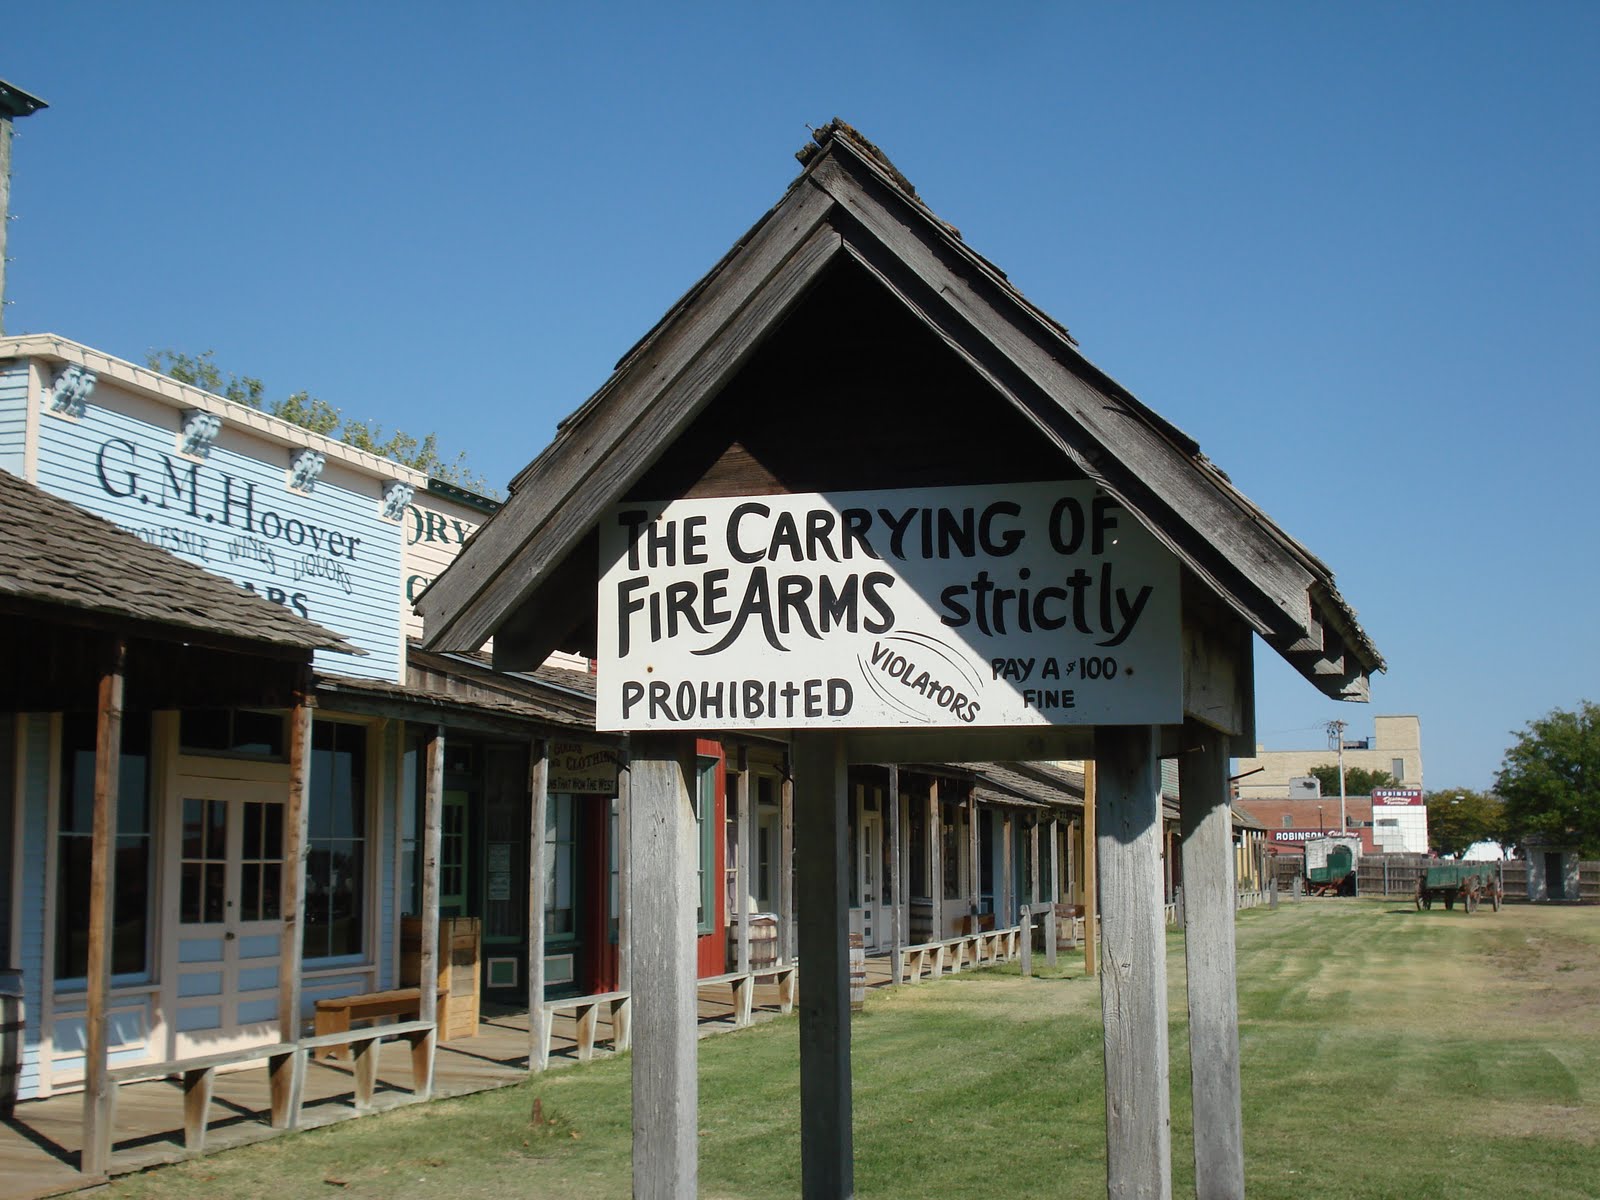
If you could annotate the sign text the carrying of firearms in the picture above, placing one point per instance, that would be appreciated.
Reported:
(984, 605)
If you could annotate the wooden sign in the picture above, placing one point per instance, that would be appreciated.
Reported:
(583, 768)
(982, 605)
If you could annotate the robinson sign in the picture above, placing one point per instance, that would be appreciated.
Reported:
(985, 605)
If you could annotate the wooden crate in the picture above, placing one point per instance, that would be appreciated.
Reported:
(460, 948)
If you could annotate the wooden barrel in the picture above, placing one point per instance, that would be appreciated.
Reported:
(763, 940)
(858, 973)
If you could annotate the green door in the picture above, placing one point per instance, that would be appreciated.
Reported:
(453, 845)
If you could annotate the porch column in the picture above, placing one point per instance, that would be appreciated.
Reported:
(428, 951)
(974, 867)
(1169, 895)
(98, 1093)
(1091, 873)
(286, 1084)
(1208, 897)
(935, 860)
(1009, 900)
(623, 1034)
(742, 866)
(827, 1168)
(1034, 891)
(1055, 892)
(664, 850)
(786, 948)
(1033, 861)
(1133, 979)
(538, 884)
(898, 909)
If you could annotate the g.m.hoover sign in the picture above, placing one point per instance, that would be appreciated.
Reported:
(992, 605)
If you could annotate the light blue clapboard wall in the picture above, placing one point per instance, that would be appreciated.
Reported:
(234, 515)
(13, 415)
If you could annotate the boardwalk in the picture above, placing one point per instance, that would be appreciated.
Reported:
(39, 1146)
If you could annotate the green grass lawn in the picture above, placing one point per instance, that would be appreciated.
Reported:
(1386, 1053)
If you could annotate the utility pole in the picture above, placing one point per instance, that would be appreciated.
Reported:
(14, 102)
(1336, 742)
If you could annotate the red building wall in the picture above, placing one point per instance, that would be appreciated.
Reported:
(712, 948)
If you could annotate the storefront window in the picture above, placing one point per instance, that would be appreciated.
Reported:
(336, 877)
(130, 933)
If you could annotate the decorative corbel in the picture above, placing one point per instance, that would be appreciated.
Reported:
(200, 429)
(396, 495)
(305, 467)
(69, 396)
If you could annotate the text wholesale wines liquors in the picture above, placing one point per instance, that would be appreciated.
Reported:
(982, 605)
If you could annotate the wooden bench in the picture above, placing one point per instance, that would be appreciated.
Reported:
(285, 1065)
(743, 987)
(364, 1045)
(585, 1011)
(785, 977)
(336, 1013)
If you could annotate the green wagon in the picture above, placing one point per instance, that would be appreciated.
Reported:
(1336, 877)
(1470, 883)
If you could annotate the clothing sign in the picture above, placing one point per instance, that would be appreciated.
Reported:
(983, 605)
(582, 768)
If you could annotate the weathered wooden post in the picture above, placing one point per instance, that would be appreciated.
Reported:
(1133, 973)
(1055, 892)
(974, 868)
(1208, 895)
(897, 933)
(936, 859)
(665, 1088)
(786, 855)
(99, 1094)
(287, 1077)
(428, 951)
(538, 884)
(1091, 872)
(1007, 853)
(742, 867)
(827, 1165)
(622, 1028)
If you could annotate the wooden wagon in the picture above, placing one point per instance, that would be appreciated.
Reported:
(1336, 876)
(1471, 883)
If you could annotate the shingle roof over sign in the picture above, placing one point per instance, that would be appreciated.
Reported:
(850, 203)
(59, 555)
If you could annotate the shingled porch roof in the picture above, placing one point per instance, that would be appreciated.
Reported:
(515, 579)
(59, 560)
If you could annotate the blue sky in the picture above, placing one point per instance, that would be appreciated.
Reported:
(1351, 248)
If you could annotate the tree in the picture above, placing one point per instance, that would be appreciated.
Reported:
(307, 411)
(1550, 778)
(1358, 781)
(1460, 817)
